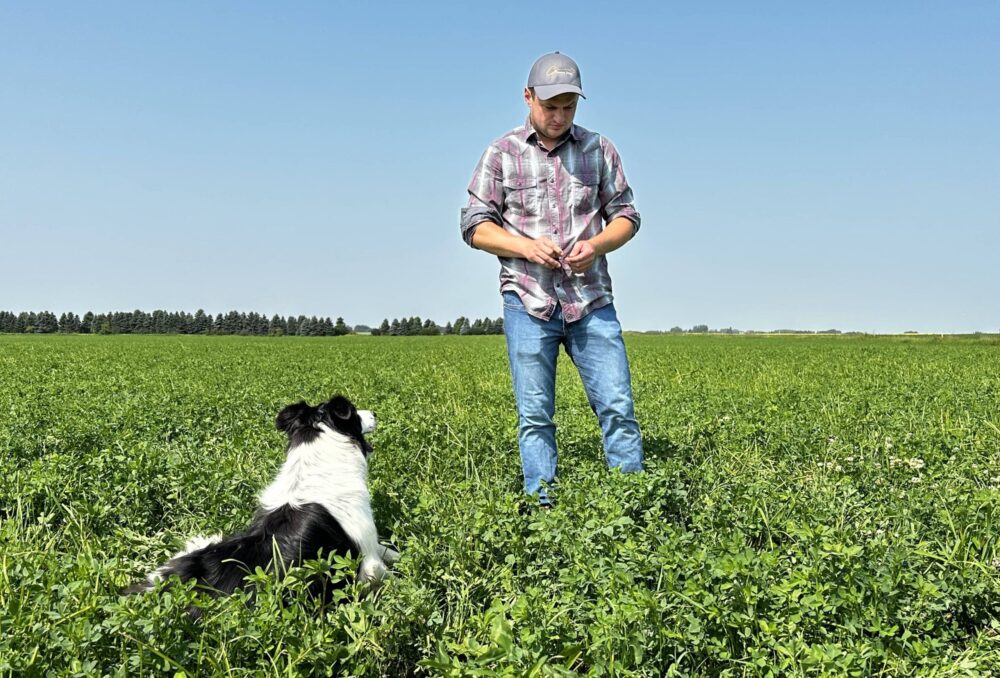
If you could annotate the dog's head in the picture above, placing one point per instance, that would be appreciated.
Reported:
(301, 421)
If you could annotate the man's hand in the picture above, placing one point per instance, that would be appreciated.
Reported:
(541, 251)
(582, 257)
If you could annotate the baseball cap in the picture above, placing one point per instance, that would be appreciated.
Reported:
(554, 74)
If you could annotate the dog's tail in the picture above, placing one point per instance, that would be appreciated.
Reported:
(193, 544)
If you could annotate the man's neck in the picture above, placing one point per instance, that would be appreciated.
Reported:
(548, 143)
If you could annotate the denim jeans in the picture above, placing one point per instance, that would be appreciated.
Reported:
(594, 344)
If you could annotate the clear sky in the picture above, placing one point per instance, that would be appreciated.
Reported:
(797, 165)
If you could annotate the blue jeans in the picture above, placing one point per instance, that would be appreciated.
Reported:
(594, 344)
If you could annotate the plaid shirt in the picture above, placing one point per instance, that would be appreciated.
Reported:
(566, 194)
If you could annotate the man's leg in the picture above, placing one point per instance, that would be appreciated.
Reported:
(532, 347)
(595, 344)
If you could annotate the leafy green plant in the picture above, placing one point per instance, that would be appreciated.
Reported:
(810, 506)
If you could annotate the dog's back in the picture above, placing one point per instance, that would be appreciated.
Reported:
(275, 541)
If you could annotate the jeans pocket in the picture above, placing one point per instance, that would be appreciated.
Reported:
(512, 302)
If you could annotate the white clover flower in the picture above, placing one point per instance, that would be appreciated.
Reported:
(915, 463)
(916, 479)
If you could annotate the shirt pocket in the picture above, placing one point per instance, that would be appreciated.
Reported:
(522, 196)
(585, 188)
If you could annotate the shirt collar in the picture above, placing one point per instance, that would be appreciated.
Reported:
(529, 135)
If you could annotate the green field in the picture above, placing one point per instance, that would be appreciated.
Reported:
(811, 505)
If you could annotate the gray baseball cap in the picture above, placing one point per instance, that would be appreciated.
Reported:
(555, 74)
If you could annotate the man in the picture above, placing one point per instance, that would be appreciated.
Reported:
(550, 200)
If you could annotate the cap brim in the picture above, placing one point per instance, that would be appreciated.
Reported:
(544, 92)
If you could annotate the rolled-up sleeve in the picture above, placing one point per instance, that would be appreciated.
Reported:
(616, 195)
(485, 194)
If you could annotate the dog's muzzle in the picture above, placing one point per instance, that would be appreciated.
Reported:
(367, 421)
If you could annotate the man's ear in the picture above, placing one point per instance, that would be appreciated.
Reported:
(294, 415)
(529, 94)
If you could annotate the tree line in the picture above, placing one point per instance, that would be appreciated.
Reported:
(414, 326)
(233, 322)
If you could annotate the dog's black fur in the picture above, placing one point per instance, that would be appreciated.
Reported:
(327, 440)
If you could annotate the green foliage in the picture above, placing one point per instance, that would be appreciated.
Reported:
(811, 506)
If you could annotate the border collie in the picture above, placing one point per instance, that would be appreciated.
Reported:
(318, 504)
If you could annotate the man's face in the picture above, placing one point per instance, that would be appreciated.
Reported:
(551, 118)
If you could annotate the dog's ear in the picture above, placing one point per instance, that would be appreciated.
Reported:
(340, 407)
(298, 413)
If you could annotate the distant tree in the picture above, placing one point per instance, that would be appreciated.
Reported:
(201, 323)
(69, 323)
(700, 329)
(340, 328)
(277, 327)
(46, 323)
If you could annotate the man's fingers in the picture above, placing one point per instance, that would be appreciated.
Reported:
(547, 253)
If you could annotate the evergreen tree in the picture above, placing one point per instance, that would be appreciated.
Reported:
(200, 323)
(340, 328)
(47, 323)
(277, 327)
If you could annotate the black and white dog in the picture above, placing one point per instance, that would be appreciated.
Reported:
(317, 505)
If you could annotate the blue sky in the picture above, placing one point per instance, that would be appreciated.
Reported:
(797, 165)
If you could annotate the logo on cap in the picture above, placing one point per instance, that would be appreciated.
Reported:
(556, 70)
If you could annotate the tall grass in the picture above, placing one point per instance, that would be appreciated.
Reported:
(821, 505)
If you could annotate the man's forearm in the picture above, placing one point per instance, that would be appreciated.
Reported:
(614, 235)
(489, 237)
